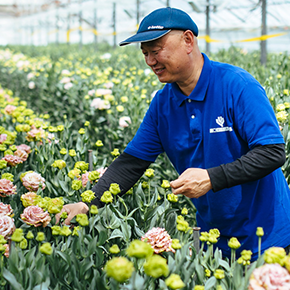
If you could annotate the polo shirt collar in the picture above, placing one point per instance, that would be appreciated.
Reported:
(199, 92)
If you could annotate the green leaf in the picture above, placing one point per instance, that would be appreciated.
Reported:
(210, 283)
(116, 234)
(12, 280)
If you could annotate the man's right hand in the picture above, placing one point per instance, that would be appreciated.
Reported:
(72, 210)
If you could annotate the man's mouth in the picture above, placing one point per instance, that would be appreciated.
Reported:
(158, 71)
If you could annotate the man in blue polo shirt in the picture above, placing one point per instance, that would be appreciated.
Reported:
(216, 124)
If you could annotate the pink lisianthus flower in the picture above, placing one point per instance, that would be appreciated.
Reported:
(32, 181)
(5, 209)
(35, 134)
(100, 104)
(124, 121)
(3, 138)
(159, 240)
(103, 92)
(35, 216)
(7, 188)
(270, 277)
(9, 109)
(85, 178)
(6, 226)
(21, 154)
(24, 147)
(12, 160)
(7, 250)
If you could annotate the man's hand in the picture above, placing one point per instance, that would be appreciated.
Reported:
(72, 210)
(193, 183)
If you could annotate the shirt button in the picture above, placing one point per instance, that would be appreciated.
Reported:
(189, 100)
(192, 116)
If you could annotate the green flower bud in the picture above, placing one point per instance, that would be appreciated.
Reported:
(82, 131)
(139, 249)
(17, 236)
(175, 244)
(3, 163)
(46, 249)
(114, 249)
(55, 230)
(2, 240)
(94, 209)
(63, 151)
(165, 184)
(40, 237)
(119, 268)
(172, 197)
(83, 166)
(99, 143)
(183, 226)
(72, 153)
(174, 282)
(82, 219)
(23, 244)
(60, 164)
(8, 176)
(260, 232)
(149, 172)
(29, 235)
(275, 255)
(198, 287)
(219, 274)
(184, 211)
(145, 184)
(234, 243)
(114, 188)
(207, 272)
(75, 173)
(76, 231)
(115, 152)
(107, 197)
(214, 232)
(65, 231)
(156, 266)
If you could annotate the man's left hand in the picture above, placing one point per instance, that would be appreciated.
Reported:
(193, 183)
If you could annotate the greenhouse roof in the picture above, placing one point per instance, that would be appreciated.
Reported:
(120, 17)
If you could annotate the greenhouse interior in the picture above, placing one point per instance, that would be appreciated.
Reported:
(158, 165)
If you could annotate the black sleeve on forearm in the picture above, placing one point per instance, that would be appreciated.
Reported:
(125, 171)
(256, 164)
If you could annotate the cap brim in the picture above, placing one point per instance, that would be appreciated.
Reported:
(145, 36)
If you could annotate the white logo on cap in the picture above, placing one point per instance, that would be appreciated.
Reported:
(155, 27)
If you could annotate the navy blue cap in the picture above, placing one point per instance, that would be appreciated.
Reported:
(160, 22)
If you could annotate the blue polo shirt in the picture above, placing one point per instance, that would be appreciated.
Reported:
(226, 115)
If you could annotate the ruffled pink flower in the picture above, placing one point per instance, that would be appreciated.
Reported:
(32, 181)
(102, 92)
(28, 198)
(159, 240)
(35, 134)
(7, 188)
(270, 277)
(102, 170)
(6, 226)
(100, 104)
(9, 109)
(12, 160)
(21, 154)
(35, 216)
(5, 209)
(24, 147)
(85, 178)
(7, 250)
(3, 138)
(124, 121)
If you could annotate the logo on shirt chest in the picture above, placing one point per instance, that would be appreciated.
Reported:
(220, 121)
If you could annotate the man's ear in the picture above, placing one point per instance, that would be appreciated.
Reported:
(188, 37)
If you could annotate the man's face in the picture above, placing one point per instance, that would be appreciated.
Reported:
(166, 56)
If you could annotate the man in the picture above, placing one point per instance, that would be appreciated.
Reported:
(216, 124)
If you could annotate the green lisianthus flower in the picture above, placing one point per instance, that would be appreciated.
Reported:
(114, 188)
(119, 268)
(60, 164)
(40, 237)
(18, 235)
(234, 243)
(55, 230)
(23, 244)
(2, 240)
(8, 176)
(82, 219)
(75, 173)
(72, 153)
(139, 249)
(88, 196)
(29, 235)
(76, 231)
(83, 166)
(76, 184)
(175, 244)
(114, 249)
(149, 172)
(99, 143)
(275, 255)
(172, 197)
(94, 175)
(156, 266)
(94, 209)
(55, 205)
(107, 197)
(82, 131)
(174, 282)
(63, 151)
(46, 249)
(65, 231)
(165, 184)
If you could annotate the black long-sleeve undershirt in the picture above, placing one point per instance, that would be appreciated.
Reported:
(126, 170)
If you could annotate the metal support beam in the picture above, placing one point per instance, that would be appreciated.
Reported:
(264, 32)
(207, 48)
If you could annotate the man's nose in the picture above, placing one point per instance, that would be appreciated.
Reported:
(150, 59)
